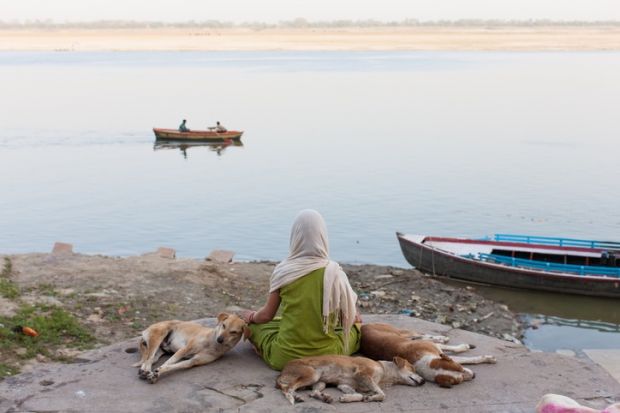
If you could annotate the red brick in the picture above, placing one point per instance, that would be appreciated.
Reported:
(62, 248)
(165, 252)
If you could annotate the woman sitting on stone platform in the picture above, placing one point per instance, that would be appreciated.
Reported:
(316, 304)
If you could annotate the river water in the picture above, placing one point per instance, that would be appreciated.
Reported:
(454, 144)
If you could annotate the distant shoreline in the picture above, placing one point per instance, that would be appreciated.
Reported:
(496, 38)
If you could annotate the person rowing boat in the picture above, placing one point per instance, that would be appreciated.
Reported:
(219, 128)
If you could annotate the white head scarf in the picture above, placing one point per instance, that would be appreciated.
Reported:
(308, 251)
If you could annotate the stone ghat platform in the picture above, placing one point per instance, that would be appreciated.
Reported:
(103, 380)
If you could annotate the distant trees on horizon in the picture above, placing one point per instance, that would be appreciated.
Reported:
(295, 23)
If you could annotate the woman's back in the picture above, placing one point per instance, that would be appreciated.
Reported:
(298, 332)
(301, 328)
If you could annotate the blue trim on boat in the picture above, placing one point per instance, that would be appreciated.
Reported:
(547, 266)
(555, 241)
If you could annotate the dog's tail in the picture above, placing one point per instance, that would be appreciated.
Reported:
(286, 390)
(143, 353)
(290, 397)
(279, 384)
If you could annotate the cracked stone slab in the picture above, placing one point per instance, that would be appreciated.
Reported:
(103, 380)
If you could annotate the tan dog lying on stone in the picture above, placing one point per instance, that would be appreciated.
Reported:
(350, 374)
(384, 342)
(191, 344)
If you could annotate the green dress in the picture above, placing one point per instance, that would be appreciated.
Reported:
(298, 332)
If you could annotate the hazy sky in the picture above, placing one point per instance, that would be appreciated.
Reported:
(276, 10)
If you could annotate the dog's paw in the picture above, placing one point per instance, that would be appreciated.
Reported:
(319, 395)
(299, 399)
(471, 346)
(153, 376)
(351, 397)
(373, 398)
(490, 359)
(142, 374)
(327, 398)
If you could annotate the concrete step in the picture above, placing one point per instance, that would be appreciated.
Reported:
(608, 359)
(103, 380)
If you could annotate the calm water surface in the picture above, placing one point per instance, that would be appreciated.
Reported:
(464, 144)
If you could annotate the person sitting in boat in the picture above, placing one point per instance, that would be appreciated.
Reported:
(612, 259)
(183, 127)
(604, 258)
(219, 128)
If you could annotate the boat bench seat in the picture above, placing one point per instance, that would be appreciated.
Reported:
(549, 266)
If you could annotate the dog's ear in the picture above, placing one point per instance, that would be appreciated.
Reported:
(400, 362)
(247, 333)
(222, 316)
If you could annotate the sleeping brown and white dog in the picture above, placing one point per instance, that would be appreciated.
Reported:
(384, 342)
(350, 374)
(191, 344)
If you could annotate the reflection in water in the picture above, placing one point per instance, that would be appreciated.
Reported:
(601, 326)
(217, 147)
(548, 333)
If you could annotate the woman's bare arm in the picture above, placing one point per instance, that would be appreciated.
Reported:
(266, 312)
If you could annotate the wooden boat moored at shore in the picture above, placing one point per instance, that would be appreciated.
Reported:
(195, 136)
(519, 261)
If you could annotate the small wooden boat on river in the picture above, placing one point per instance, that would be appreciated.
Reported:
(540, 263)
(196, 135)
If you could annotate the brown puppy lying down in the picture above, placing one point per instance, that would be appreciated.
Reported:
(384, 342)
(191, 344)
(350, 374)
